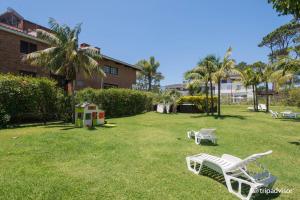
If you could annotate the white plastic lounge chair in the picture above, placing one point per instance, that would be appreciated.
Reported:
(235, 172)
(289, 114)
(251, 108)
(274, 114)
(203, 134)
(262, 107)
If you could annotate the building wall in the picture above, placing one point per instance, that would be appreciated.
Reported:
(10, 56)
(10, 62)
(125, 79)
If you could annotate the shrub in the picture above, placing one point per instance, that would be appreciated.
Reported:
(293, 98)
(117, 102)
(199, 101)
(29, 99)
(4, 118)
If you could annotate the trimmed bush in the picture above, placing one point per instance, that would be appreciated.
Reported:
(4, 118)
(293, 98)
(199, 101)
(117, 102)
(27, 99)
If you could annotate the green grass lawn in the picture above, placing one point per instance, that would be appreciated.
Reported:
(143, 157)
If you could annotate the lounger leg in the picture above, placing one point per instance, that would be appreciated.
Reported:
(197, 140)
(251, 191)
(238, 193)
(191, 165)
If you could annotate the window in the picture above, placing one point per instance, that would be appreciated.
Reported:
(27, 47)
(27, 73)
(92, 107)
(107, 86)
(88, 116)
(80, 83)
(79, 115)
(114, 71)
(107, 69)
(111, 70)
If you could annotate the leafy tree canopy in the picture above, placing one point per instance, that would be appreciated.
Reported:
(281, 39)
(287, 7)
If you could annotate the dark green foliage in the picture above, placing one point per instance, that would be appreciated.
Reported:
(293, 97)
(199, 101)
(281, 40)
(117, 102)
(27, 99)
(4, 117)
(287, 7)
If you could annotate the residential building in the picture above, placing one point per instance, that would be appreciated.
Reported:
(232, 90)
(180, 87)
(18, 37)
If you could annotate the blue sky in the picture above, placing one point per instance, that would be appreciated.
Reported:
(177, 32)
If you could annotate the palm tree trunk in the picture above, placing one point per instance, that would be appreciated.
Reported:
(219, 98)
(73, 100)
(256, 99)
(206, 98)
(149, 83)
(211, 98)
(267, 97)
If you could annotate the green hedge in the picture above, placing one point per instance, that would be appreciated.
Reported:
(117, 102)
(199, 101)
(27, 99)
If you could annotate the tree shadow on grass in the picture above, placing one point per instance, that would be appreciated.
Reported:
(290, 120)
(221, 117)
(17, 126)
(220, 179)
(297, 143)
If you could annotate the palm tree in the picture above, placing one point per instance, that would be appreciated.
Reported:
(222, 70)
(149, 70)
(174, 96)
(249, 78)
(265, 72)
(210, 63)
(287, 65)
(64, 56)
(198, 76)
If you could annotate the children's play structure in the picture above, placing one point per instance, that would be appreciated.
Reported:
(88, 114)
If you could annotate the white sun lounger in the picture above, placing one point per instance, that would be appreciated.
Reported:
(251, 108)
(289, 114)
(274, 114)
(234, 171)
(262, 107)
(203, 134)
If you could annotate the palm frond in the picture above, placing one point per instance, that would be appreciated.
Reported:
(48, 37)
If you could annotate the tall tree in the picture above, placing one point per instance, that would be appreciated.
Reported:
(210, 63)
(287, 7)
(198, 76)
(286, 67)
(265, 72)
(64, 56)
(249, 77)
(281, 40)
(150, 71)
(241, 66)
(222, 71)
(174, 96)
